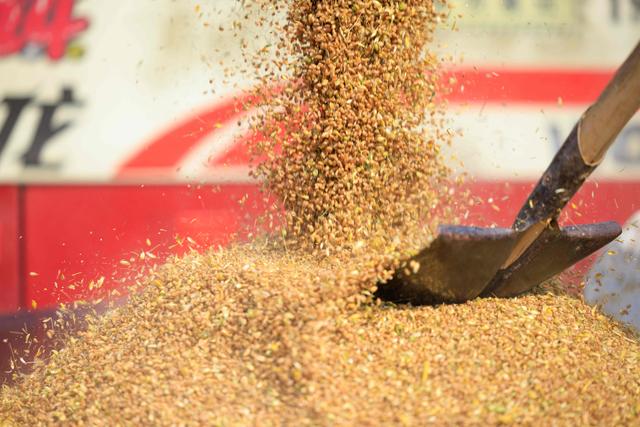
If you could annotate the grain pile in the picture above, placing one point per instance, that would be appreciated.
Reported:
(249, 335)
(283, 330)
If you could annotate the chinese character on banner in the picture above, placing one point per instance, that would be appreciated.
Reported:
(44, 26)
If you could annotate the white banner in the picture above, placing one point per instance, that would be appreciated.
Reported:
(104, 91)
(517, 143)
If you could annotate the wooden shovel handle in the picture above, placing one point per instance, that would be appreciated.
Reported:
(620, 100)
(585, 147)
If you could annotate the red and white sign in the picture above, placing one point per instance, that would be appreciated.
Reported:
(118, 125)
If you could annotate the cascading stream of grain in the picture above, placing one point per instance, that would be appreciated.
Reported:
(356, 125)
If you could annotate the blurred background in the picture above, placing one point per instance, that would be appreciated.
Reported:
(119, 137)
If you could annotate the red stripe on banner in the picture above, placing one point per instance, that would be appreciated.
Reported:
(571, 87)
(9, 248)
(167, 150)
(88, 230)
(513, 86)
(238, 154)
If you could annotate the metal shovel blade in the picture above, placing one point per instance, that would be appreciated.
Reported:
(456, 267)
(553, 252)
(464, 262)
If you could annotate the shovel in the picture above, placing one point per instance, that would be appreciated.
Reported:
(465, 262)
